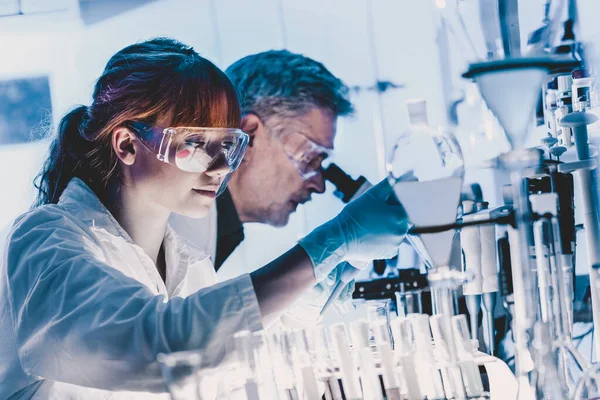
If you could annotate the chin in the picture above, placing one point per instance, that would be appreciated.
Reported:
(278, 221)
(194, 212)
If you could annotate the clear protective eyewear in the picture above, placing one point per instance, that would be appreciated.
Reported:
(196, 149)
(306, 155)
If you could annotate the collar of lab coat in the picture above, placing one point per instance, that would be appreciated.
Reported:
(180, 255)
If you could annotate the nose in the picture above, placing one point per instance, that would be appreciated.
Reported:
(317, 183)
(219, 166)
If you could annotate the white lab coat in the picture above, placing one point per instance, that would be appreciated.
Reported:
(202, 232)
(85, 312)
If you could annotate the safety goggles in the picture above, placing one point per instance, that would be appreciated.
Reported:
(194, 149)
(305, 154)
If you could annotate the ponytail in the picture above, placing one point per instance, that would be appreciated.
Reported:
(65, 158)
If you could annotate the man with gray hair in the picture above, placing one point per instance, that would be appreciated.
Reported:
(290, 104)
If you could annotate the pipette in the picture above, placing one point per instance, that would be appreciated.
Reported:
(471, 249)
(542, 258)
(504, 261)
(588, 181)
(348, 274)
(489, 276)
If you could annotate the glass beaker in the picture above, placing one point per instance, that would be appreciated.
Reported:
(378, 310)
(409, 302)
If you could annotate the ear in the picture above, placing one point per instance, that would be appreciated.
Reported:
(124, 144)
(253, 126)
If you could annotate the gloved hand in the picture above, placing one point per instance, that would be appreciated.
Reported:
(370, 227)
(304, 313)
(326, 286)
(341, 305)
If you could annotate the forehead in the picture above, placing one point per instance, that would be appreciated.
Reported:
(319, 125)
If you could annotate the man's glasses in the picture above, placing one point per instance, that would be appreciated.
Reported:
(306, 155)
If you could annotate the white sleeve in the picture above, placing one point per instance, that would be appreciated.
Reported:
(304, 312)
(80, 321)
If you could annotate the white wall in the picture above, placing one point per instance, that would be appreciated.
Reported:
(25, 53)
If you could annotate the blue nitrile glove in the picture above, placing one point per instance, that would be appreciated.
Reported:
(371, 227)
(331, 280)
(326, 286)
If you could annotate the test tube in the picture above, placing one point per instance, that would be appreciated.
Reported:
(360, 333)
(403, 349)
(304, 364)
(571, 364)
(264, 372)
(444, 342)
(470, 371)
(283, 366)
(378, 310)
(546, 379)
(386, 355)
(429, 375)
(180, 372)
(347, 369)
(325, 369)
(244, 384)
